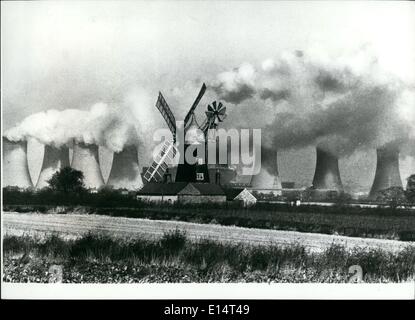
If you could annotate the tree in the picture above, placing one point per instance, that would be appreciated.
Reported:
(67, 180)
(410, 188)
(342, 198)
(394, 196)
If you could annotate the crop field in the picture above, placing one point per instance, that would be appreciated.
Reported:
(71, 226)
(381, 223)
(384, 224)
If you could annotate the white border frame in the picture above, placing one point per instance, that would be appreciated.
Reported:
(263, 291)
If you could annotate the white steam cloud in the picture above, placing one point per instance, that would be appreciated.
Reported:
(237, 85)
(104, 125)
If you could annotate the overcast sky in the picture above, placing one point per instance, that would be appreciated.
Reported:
(73, 54)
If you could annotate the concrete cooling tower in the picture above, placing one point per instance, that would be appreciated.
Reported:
(266, 180)
(85, 158)
(54, 159)
(125, 172)
(387, 170)
(268, 177)
(327, 174)
(15, 168)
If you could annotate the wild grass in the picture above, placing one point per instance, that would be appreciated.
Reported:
(173, 258)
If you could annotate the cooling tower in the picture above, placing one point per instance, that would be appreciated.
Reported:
(85, 158)
(387, 170)
(266, 180)
(125, 173)
(53, 160)
(327, 174)
(268, 177)
(15, 167)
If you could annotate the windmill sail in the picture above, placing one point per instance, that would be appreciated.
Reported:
(165, 111)
(156, 171)
(192, 109)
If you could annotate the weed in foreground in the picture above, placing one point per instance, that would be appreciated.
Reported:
(173, 258)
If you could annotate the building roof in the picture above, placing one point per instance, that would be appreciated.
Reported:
(207, 189)
(182, 188)
(245, 195)
(232, 193)
(167, 189)
(238, 194)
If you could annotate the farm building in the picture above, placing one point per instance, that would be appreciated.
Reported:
(241, 195)
(182, 192)
(246, 198)
(160, 192)
(202, 192)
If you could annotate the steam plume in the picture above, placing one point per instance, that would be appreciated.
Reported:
(102, 125)
(237, 85)
(340, 104)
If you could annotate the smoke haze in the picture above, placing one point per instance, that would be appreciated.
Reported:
(341, 104)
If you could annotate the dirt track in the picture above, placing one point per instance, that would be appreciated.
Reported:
(74, 225)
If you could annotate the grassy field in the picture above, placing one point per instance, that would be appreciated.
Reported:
(380, 223)
(98, 258)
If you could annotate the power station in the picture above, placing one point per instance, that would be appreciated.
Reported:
(54, 159)
(327, 173)
(15, 167)
(125, 171)
(387, 170)
(85, 158)
(268, 177)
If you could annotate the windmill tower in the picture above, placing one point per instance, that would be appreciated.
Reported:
(221, 172)
(186, 172)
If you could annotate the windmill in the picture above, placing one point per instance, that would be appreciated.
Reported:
(215, 113)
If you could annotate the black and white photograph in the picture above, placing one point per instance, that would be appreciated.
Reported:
(208, 149)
